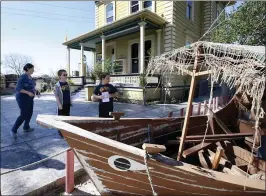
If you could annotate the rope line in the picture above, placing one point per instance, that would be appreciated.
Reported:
(146, 156)
(35, 163)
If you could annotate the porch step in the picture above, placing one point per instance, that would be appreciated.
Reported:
(80, 94)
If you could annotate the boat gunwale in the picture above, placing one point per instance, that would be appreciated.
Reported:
(57, 122)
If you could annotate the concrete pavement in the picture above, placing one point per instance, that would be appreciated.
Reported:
(42, 143)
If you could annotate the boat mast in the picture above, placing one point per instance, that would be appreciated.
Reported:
(189, 106)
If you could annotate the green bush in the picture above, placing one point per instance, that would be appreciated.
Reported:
(109, 67)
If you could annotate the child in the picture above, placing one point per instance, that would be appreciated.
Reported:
(62, 95)
(105, 93)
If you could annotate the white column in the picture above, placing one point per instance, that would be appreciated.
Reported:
(103, 51)
(94, 59)
(68, 61)
(141, 5)
(81, 60)
(159, 37)
(142, 47)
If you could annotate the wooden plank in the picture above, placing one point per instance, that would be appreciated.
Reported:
(186, 71)
(153, 148)
(238, 171)
(117, 115)
(217, 136)
(203, 73)
(219, 122)
(175, 142)
(195, 149)
(151, 131)
(204, 159)
(217, 157)
(246, 156)
(189, 107)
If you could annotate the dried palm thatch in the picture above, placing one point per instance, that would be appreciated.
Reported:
(237, 66)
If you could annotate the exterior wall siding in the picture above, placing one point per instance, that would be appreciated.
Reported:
(101, 15)
(209, 15)
(166, 9)
(96, 16)
(186, 28)
(122, 9)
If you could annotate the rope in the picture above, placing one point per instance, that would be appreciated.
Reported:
(208, 113)
(252, 151)
(148, 173)
(35, 163)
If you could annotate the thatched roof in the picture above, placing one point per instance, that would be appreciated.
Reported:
(236, 65)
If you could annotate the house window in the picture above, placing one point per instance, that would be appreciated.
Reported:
(147, 5)
(134, 6)
(189, 10)
(109, 13)
(135, 58)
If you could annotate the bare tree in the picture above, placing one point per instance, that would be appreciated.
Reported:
(16, 62)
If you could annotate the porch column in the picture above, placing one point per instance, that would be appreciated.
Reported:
(142, 46)
(103, 51)
(68, 62)
(159, 37)
(81, 60)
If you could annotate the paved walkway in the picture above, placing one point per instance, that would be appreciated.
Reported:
(42, 143)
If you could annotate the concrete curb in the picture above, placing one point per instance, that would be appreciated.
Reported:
(60, 182)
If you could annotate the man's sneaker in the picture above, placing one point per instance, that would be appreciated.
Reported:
(14, 135)
(28, 130)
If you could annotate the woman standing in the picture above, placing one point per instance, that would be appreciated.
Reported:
(25, 92)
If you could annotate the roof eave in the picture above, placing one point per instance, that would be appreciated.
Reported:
(144, 14)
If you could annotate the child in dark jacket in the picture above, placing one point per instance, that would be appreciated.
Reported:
(105, 93)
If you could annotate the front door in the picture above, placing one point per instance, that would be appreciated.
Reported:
(135, 58)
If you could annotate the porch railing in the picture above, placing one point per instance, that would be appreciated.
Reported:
(134, 80)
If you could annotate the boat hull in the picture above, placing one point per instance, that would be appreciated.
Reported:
(115, 171)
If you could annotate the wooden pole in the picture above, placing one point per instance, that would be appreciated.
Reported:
(189, 107)
(182, 112)
(170, 114)
(69, 171)
(191, 111)
(221, 103)
(217, 103)
(199, 108)
(205, 108)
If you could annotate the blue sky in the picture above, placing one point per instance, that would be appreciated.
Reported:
(24, 31)
(28, 28)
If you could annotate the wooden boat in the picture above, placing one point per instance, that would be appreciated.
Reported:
(214, 161)
(108, 150)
